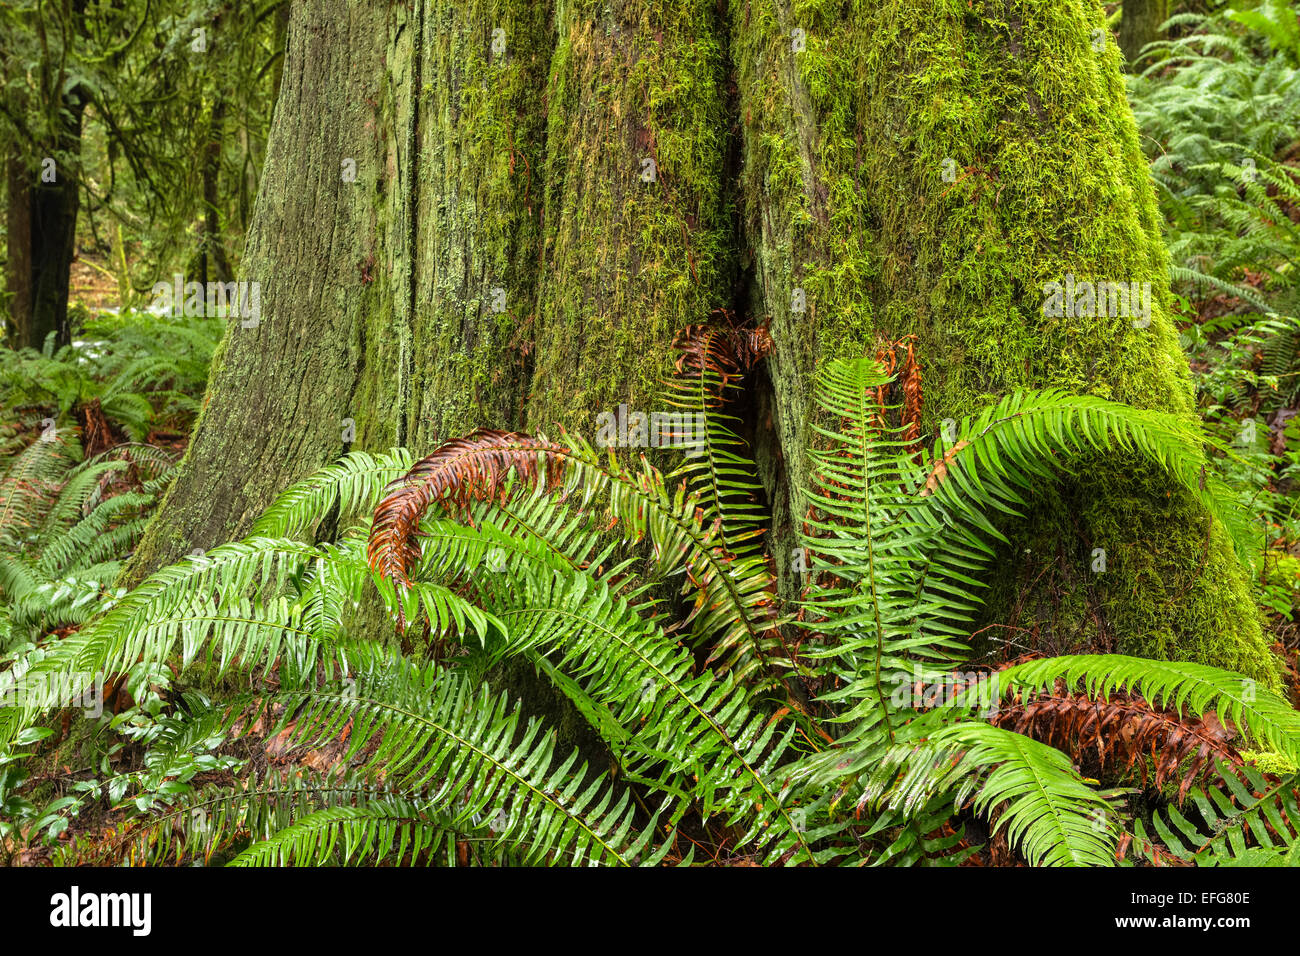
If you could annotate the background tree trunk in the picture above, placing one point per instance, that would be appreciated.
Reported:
(18, 243)
(44, 192)
(503, 257)
(212, 248)
(42, 236)
(1139, 25)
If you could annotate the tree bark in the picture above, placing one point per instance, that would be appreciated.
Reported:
(18, 242)
(42, 233)
(1139, 25)
(926, 168)
(531, 222)
(283, 383)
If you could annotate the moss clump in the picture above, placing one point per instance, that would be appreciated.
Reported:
(1129, 569)
(1266, 761)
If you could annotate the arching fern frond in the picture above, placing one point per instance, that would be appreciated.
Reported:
(352, 485)
(1001, 451)
(695, 736)
(1258, 714)
(1034, 793)
(462, 750)
(384, 829)
(734, 601)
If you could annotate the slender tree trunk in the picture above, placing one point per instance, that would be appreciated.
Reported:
(543, 195)
(1140, 24)
(211, 247)
(42, 233)
(18, 236)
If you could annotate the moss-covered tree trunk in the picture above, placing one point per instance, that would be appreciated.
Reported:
(544, 194)
(928, 167)
(504, 256)
(1139, 25)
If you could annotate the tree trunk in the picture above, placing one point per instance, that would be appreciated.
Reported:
(42, 235)
(536, 210)
(927, 169)
(211, 247)
(1139, 25)
(18, 240)
(331, 301)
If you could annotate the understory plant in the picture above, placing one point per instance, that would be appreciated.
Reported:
(1219, 106)
(129, 373)
(339, 697)
(85, 453)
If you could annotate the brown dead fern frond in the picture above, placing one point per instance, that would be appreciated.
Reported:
(720, 350)
(910, 383)
(460, 470)
(98, 434)
(898, 360)
(1124, 734)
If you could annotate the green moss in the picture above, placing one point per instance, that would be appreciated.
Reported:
(925, 167)
(474, 218)
(1134, 567)
(1266, 761)
(628, 258)
(1173, 595)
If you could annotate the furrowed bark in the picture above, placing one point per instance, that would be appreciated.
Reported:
(477, 215)
(282, 384)
(499, 220)
(638, 239)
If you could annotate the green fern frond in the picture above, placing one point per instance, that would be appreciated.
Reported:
(1249, 820)
(433, 733)
(699, 737)
(352, 484)
(383, 829)
(1035, 795)
(1258, 714)
(1004, 450)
